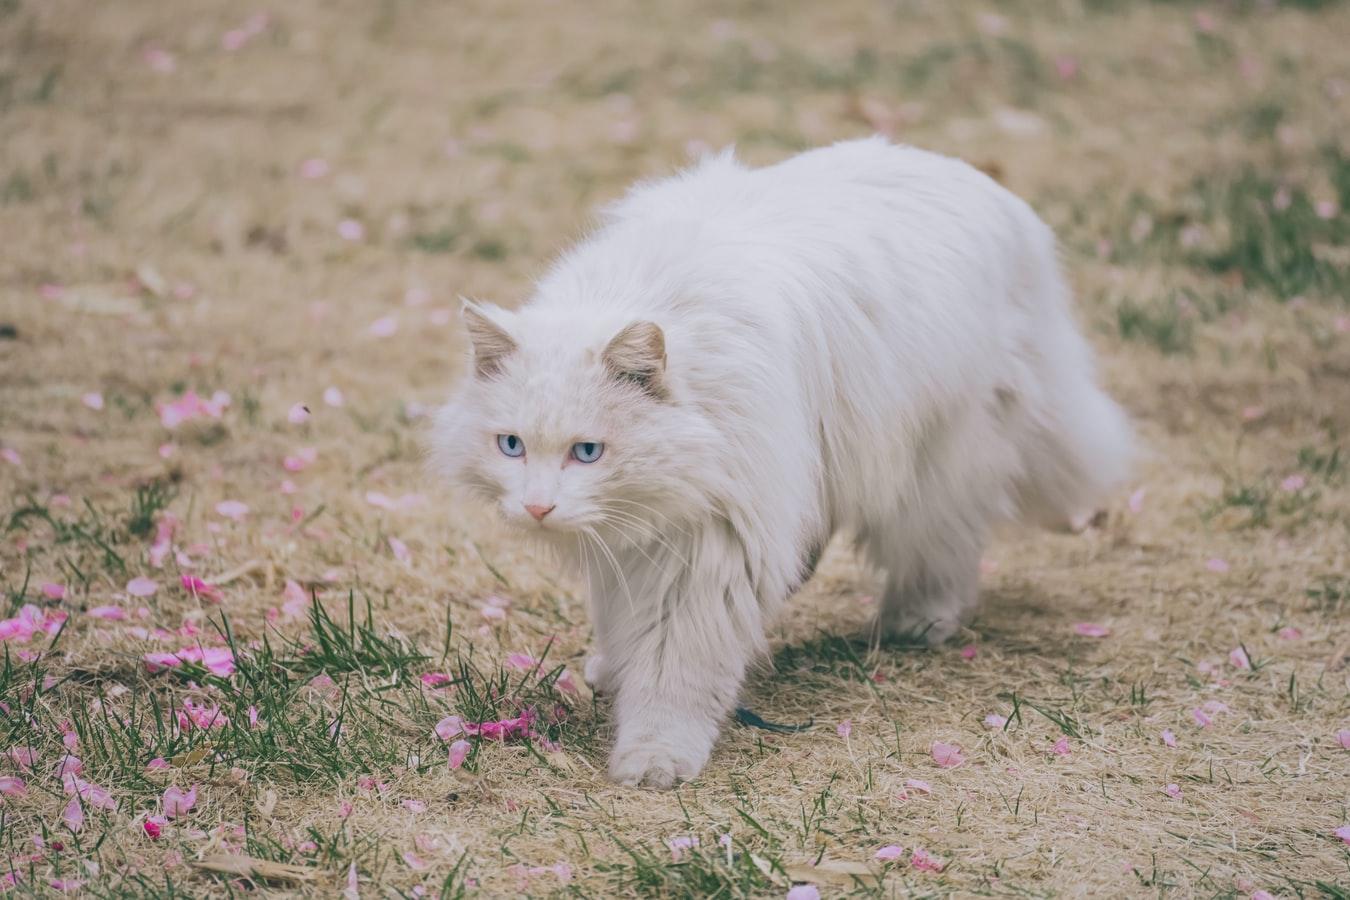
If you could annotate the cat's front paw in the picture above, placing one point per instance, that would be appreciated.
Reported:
(654, 765)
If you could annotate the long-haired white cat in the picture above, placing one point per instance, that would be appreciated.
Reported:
(738, 364)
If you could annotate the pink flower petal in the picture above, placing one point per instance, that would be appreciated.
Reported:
(844, 728)
(948, 756)
(1343, 833)
(142, 587)
(333, 397)
(459, 750)
(1215, 564)
(154, 827)
(416, 806)
(803, 892)
(1091, 629)
(298, 414)
(401, 552)
(114, 613)
(1201, 718)
(1293, 484)
(1237, 658)
(178, 802)
(232, 509)
(1290, 633)
(1169, 738)
(449, 727)
(521, 662)
(73, 816)
(53, 591)
(1136, 501)
(993, 720)
(351, 230)
(200, 589)
(915, 784)
(314, 168)
(11, 456)
(415, 862)
(93, 400)
(1173, 791)
(969, 652)
(889, 852)
(1061, 747)
(12, 786)
(1343, 738)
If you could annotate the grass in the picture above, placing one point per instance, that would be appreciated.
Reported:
(175, 241)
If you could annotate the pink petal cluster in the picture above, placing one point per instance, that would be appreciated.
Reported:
(199, 715)
(948, 756)
(219, 661)
(924, 861)
(31, 620)
(190, 406)
(92, 794)
(521, 726)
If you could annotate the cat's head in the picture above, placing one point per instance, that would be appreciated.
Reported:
(565, 423)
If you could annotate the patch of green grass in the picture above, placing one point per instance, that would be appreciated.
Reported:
(1160, 323)
(1249, 227)
(708, 869)
(1331, 594)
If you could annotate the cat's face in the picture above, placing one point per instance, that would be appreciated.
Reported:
(567, 426)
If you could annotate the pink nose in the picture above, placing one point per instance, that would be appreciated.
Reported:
(538, 511)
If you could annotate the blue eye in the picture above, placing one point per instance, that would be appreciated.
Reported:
(587, 451)
(510, 445)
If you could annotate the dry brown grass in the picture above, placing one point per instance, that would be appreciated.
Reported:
(471, 140)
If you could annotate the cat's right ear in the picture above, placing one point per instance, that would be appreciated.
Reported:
(491, 343)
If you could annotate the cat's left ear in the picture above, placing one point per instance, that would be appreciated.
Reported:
(638, 355)
(491, 343)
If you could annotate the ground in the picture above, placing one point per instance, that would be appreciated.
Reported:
(284, 205)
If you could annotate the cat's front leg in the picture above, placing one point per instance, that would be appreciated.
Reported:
(677, 669)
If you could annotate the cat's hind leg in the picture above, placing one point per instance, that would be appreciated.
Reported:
(932, 579)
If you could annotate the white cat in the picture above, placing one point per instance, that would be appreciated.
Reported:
(740, 363)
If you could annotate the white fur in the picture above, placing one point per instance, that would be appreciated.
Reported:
(865, 338)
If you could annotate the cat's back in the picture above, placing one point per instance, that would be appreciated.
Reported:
(827, 188)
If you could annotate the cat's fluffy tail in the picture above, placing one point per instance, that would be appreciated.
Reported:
(1083, 451)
